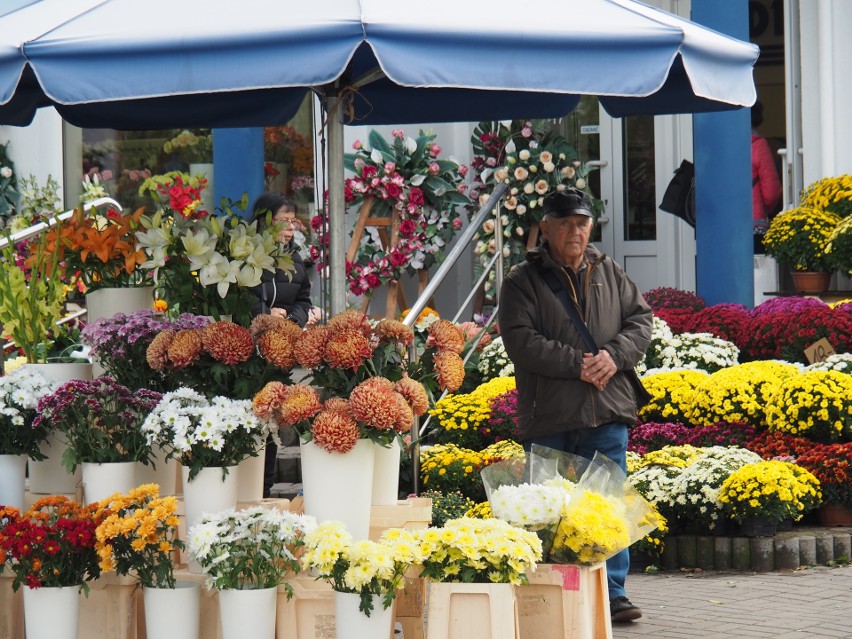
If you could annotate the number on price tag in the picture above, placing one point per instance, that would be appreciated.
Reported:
(819, 351)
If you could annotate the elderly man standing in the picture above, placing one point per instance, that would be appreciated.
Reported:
(574, 396)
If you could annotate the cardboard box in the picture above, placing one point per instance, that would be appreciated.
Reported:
(564, 602)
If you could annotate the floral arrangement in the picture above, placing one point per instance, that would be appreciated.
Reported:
(32, 297)
(100, 250)
(139, 535)
(447, 467)
(724, 322)
(787, 335)
(739, 434)
(366, 568)
(661, 334)
(814, 405)
(677, 320)
(692, 350)
(786, 304)
(672, 395)
(831, 194)
(438, 362)
(101, 419)
(593, 528)
(52, 544)
(482, 510)
(279, 143)
(471, 550)
(799, 237)
(529, 506)
(120, 344)
(778, 445)
(502, 423)
(774, 490)
(649, 436)
(249, 549)
(673, 299)
(219, 358)
(694, 492)
(193, 146)
(494, 361)
(831, 464)
(738, 394)
(202, 433)
(841, 362)
(840, 245)
(403, 176)
(36, 201)
(449, 505)
(533, 162)
(201, 263)
(20, 392)
(654, 482)
(461, 417)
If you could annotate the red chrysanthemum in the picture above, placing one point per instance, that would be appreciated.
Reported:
(449, 369)
(185, 349)
(227, 342)
(414, 394)
(390, 330)
(335, 432)
(310, 346)
(353, 320)
(157, 353)
(277, 347)
(347, 348)
(372, 402)
(445, 336)
(299, 404)
(268, 398)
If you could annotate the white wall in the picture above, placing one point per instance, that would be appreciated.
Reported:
(37, 149)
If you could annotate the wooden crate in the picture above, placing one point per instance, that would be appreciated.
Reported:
(565, 602)
(411, 606)
(309, 614)
(11, 609)
(462, 611)
(413, 513)
(110, 610)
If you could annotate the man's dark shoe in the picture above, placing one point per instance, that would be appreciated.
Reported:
(622, 611)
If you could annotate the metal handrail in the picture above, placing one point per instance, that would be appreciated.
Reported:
(41, 227)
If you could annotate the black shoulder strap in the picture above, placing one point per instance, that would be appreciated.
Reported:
(562, 295)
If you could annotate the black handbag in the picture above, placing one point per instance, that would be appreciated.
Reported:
(641, 393)
(679, 198)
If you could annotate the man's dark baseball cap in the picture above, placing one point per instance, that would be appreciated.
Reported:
(571, 201)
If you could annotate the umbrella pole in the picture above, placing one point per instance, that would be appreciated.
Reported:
(336, 206)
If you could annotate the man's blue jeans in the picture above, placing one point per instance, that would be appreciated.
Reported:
(610, 440)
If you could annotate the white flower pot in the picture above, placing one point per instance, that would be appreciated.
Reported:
(51, 613)
(103, 480)
(250, 474)
(351, 623)
(208, 492)
(164, 475)
(13, 470)
(248, 613)
(339, 486)
(386, 474)
(172, 612)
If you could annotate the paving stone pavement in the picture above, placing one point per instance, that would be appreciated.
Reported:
(811, 602)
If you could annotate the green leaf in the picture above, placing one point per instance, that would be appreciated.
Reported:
(377, 141)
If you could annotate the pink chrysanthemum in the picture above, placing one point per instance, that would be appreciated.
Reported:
(310, 346)
(351, 319)
(470, 330)
(299, 404)
(277, 346)
(372, 402)
(157, 353)
(185, 349)
(347, 348)
(445, 336)
(449, 369)
(268, 398)
(389, 330)
(227, 342)
(414, 394)
(335, 432)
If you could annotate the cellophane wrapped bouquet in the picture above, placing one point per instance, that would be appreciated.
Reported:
(584, 511)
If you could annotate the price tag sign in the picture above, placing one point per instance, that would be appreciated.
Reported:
(819, 351)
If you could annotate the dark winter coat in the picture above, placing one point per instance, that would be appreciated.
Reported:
(547, 351)
(290, 291)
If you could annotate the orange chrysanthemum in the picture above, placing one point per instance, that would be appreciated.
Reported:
(372, 402)
(347, 348)
(389, 330)
(414, 394)
(160, 306)
(310, 347)
(262, 323)
(335, 432)
(157, 353)
(450, 370)
(446, 336)
(300, 403)
(227, 342)
(268, 398)
(278, 347)
(185, 348)
(404, 414)
(351, 319)
(336, 404)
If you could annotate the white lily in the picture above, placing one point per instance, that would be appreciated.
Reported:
(200, 245)
(221, 272)
(249, 276)
(240, 243)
